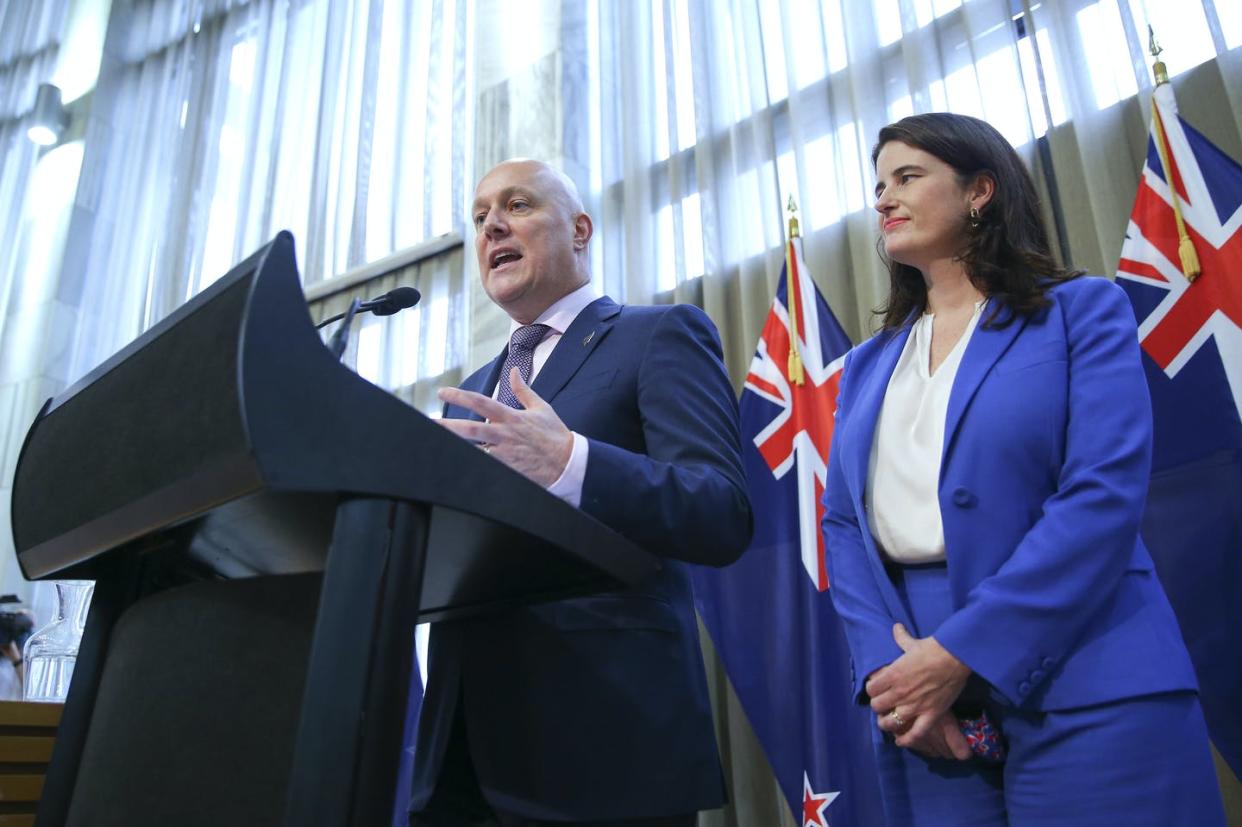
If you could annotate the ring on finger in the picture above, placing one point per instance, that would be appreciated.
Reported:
(897, 719)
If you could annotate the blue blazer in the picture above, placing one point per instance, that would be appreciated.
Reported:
(1045, 469)
(596, 708)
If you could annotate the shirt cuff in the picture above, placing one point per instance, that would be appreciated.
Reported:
(568, 485)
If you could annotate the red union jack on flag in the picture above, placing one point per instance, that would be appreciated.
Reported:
(797, 438)
(773, 626)
(1191, 331)
(1207, 186)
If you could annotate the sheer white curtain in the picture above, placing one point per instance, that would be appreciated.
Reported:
(227, 120)
(418, 351)
(35, 191)
(30, 36)
(731, 108)
(706, 116)
(1095, 58)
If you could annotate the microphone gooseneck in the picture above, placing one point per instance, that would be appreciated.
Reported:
(394, 301)
(340, 337)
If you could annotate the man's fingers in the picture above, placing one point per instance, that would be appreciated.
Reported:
(467, 428)
(522, 391)
(484, 406)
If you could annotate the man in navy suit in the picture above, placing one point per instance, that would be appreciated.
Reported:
(590, 710)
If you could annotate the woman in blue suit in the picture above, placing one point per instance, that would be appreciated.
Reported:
(987, 475)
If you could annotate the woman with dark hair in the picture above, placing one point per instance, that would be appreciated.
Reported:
(987, 476)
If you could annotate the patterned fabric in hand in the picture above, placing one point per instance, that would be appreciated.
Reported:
(984, 738)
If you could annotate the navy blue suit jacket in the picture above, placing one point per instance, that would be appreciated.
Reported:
(597, 707)
(1047, 453)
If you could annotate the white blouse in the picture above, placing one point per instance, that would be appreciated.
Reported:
(903, 503)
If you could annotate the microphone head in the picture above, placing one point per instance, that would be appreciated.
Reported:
(396, 300)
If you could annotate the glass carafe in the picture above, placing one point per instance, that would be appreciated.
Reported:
(52, 650)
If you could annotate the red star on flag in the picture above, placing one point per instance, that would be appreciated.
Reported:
(813, 805)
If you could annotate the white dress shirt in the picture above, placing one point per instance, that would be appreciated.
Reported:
(558, 318)
(903, 482)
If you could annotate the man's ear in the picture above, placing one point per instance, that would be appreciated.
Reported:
(583, 230)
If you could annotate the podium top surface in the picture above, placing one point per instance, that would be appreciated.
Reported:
(233, 405)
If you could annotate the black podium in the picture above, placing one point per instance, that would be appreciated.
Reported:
(265, 528)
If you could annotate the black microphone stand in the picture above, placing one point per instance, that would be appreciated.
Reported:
(340, 337)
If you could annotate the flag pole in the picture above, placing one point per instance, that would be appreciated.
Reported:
(795, 371)
(1185, 247)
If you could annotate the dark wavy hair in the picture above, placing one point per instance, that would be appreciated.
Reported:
(1006, 252)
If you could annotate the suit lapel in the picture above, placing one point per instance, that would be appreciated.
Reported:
(986, 345)
(580, 339)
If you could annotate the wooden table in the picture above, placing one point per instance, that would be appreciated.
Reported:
(27, 732)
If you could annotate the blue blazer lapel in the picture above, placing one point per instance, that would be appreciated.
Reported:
(580, 339)
(986, 345)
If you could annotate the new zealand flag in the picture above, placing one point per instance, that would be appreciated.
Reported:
(1191, 333)
(770, 615)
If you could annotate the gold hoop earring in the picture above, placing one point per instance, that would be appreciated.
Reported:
(974, 218)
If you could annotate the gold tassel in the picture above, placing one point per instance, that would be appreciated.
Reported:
(794, 366)
(1190, 259)
(1185, 247)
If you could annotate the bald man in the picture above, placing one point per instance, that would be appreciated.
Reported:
(594, 710)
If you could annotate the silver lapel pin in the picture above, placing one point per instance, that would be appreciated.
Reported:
(588, 338)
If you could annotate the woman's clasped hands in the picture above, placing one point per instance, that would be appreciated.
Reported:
(912, 696)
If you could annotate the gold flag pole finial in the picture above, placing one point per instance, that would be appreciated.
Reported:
(1185, 247)
(1158, 68)
(792, 277)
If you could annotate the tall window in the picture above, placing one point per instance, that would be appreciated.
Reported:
(703, 106)
(342, 121)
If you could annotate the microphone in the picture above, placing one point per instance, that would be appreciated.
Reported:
(394, 301)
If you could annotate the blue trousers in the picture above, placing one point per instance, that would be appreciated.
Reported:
(1139, 761)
